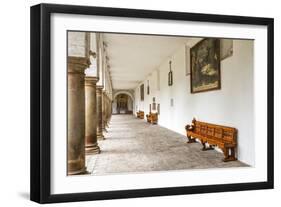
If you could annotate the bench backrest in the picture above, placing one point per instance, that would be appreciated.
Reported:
(223, 133)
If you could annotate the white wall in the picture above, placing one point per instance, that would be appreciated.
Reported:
(76, 44)
(130, 104)
(231, 106)
(114, 106)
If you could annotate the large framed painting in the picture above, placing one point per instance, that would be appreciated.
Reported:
(91, 131)
(205, 66)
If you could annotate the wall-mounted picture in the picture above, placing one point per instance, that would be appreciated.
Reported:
(171, 102)
(142, 92)
(187, 60)
(205, 66)
(154, 106)
(170, 75)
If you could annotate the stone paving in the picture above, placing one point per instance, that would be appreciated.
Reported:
(133, 145)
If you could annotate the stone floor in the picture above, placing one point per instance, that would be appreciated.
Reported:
(133, 145)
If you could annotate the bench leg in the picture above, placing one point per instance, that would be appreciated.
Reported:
(206, 148)
(191, 140)
(229, 157)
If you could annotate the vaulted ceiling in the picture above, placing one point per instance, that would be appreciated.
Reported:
(133, 57)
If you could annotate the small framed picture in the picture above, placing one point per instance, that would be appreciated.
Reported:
(170, 75)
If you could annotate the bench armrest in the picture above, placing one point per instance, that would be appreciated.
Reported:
(189, 127)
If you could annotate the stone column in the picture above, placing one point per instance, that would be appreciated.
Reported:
(76, 115)
(106, 110)
(103, 111)
(110, 109)
(99, 113)
(91, 116)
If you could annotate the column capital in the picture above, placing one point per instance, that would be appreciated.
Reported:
(77, 64)
(90, 80)
(99, 87)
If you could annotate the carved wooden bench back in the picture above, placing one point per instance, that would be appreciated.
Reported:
(140, 114)
(219, 132)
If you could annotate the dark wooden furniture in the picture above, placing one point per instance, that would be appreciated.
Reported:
(140, 114)
(152, 118)
(215, 135)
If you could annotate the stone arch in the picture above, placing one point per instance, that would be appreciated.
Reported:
(123, 92)
(129, 93)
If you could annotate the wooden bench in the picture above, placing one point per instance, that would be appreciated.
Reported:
(152, 118)
(215, 135)
(140, 114)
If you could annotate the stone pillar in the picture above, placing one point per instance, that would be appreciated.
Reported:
(99, 113)
(106, 110)
(103, 111)
(110, 109)
(76, 115)
(91, 116)
(107, 107)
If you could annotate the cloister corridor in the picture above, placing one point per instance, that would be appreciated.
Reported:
(134, 100)
(133, 145)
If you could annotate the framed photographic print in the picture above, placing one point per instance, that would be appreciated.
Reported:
(88, 70)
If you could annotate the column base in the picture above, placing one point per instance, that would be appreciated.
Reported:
(92, 149)
(78, 172)
(107, 124)
(100, 137)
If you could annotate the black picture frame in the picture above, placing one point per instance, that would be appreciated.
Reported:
(41, 98)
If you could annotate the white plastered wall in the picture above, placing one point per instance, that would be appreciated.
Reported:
(232, 105)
